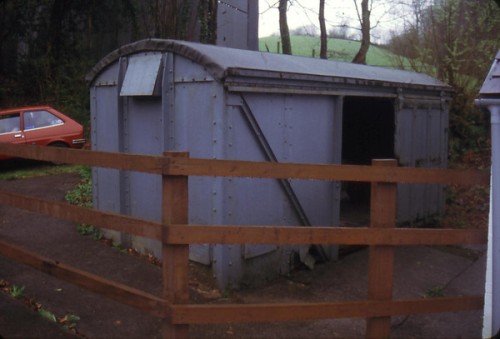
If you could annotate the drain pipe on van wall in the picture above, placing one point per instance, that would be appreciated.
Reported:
(492, 290)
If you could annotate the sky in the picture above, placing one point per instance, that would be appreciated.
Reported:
(337, 12)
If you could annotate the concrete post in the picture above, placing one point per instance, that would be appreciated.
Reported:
(493, 268)
(495, 215)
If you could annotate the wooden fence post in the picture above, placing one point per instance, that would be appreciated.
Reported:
(175, 257)
(381, 258)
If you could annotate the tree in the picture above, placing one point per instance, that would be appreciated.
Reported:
(307, 30)
(340, 31)
(322, 26)
(455, 41)
(194, 20)
(447, 36)
(364, 20)
(47, 46)
(284, 32)
(207, 16)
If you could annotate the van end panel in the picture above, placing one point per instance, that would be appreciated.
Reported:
(143, 135)
(104, 112)
(196, 125)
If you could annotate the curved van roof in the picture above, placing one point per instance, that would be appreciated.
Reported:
(223, 62)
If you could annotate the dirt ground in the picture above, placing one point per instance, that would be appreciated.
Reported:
(420, 272)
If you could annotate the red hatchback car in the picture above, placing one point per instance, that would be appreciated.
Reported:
(39, 125)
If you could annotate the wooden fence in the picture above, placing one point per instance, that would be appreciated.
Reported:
(176, 234)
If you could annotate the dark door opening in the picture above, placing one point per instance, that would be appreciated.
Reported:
(368, 130)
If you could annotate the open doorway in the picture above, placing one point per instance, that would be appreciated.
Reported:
(368, 130)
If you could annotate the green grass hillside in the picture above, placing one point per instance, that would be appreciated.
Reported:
(341, 50)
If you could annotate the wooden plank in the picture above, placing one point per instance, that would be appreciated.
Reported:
(260, 313)
(226, 234)
(230, 168)
(78, 214)
(381, 258)
(175, 204)
(234, 234)
(122, 161)
(107, 288)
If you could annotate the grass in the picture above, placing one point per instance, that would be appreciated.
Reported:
(81, 195)
(68, 321)
(47, 315)
(94, 232)
(434, 292)
(17, 292)
(34, 169)
(338, 49)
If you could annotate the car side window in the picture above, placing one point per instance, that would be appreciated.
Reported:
(10, 123)
(39, 119)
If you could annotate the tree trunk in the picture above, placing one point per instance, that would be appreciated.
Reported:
(360, 57)
(207, 17)
(285, 33)
(322, 26)
(197, 20)
(190, 26)
(170, 20)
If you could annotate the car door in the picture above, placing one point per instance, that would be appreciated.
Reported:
(10, 129)
(40, 127)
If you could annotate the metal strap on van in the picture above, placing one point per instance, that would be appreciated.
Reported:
(284, 183)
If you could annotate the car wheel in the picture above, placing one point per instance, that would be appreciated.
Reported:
(60, 145)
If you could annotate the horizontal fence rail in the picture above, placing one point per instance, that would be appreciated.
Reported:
(250, 169)
(122, 161)
(235, 234)
(257, 313)
(118, 292)
(227, 234)
(176, 235)
(229, 168)
(113, 221)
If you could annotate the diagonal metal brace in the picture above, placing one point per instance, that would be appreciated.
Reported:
(284, 183)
